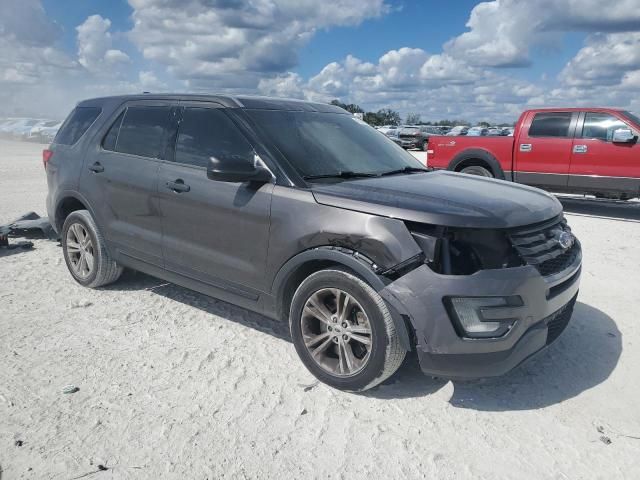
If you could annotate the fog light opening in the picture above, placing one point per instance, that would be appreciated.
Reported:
(484, 317)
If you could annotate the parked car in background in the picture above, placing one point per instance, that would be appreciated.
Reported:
(477, 132)
(47, 134)
(508, 132)
(494, 132)
(36, 133)
(458, 130)
(416, 136)
(5, 126)
(389, 130)
(575, 150)
(21, 128)
(363, 253)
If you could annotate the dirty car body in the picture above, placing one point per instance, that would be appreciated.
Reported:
(478, 274)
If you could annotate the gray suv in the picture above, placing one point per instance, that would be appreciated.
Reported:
(307, 215)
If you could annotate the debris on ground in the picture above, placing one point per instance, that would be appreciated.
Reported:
(70, 389)
(81, 304)
(27, 225)
(307, 388)
(606, 440)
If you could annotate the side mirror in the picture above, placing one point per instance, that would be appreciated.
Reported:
(234, 170)
(623, 135)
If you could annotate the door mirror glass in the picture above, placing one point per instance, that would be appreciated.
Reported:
(230, 169)
(623, 135)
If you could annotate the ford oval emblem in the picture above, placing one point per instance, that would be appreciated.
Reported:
(565, 239)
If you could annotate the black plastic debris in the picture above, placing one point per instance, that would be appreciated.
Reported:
(30, 225)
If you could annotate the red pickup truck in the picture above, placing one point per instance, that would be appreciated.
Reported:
(572, 150)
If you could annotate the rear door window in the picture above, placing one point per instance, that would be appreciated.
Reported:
(551, 124)
(76, 125)
(143, 132)
(206, 133)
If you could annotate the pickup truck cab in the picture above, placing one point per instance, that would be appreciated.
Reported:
(572, 150)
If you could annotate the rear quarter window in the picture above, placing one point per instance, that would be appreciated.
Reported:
(76, 125)
(550, 124)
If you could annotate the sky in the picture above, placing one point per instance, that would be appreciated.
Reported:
(443, 60)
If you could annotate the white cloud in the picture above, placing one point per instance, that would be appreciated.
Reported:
(253, 46)
(94, 46)
(233, 43)
(604, 60)
(411, 80)
(502, 32)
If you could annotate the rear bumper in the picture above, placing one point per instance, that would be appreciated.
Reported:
(548, 304)
(409, 143)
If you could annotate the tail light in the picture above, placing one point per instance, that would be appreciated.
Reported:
(46, 156)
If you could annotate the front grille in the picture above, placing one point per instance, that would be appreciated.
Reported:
(539, 246)
(558, 321)
(561, 262)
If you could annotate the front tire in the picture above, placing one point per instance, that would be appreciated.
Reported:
(343, 331)
(478, 171)
(85, 252)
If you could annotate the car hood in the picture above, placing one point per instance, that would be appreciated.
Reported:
(442, 198)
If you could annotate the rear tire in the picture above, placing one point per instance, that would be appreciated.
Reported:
(362, 349)
(85, 252)
(477, 170)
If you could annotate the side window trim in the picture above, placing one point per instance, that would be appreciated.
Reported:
(118, 116)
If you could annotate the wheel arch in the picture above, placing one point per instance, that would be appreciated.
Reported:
(299, 267)
(69, 202)
(477, 156)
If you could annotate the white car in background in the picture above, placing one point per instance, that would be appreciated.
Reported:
(44, 130)
(389, 130)
(47, 134)
(5, 125)
(21, 128)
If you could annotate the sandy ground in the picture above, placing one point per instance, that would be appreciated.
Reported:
(174, 384)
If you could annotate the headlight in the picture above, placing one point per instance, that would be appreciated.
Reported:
(484, 317)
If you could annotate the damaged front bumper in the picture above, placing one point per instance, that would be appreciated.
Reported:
(421, 296)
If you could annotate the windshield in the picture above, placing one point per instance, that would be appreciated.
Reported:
(330, 143)
(633, 117)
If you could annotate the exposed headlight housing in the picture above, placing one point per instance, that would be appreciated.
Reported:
(484, 317)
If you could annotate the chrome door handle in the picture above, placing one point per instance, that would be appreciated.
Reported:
(579, 149)
(526, 147)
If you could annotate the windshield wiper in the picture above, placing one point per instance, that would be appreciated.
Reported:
(404, 170)
(341, 174)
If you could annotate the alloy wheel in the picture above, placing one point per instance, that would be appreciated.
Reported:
(80, 250)
(336, 332)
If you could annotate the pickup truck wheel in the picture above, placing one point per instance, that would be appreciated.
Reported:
(343, 331)
(477, 170)
(85, 253)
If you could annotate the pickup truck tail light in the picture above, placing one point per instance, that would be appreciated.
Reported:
(46, 156)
